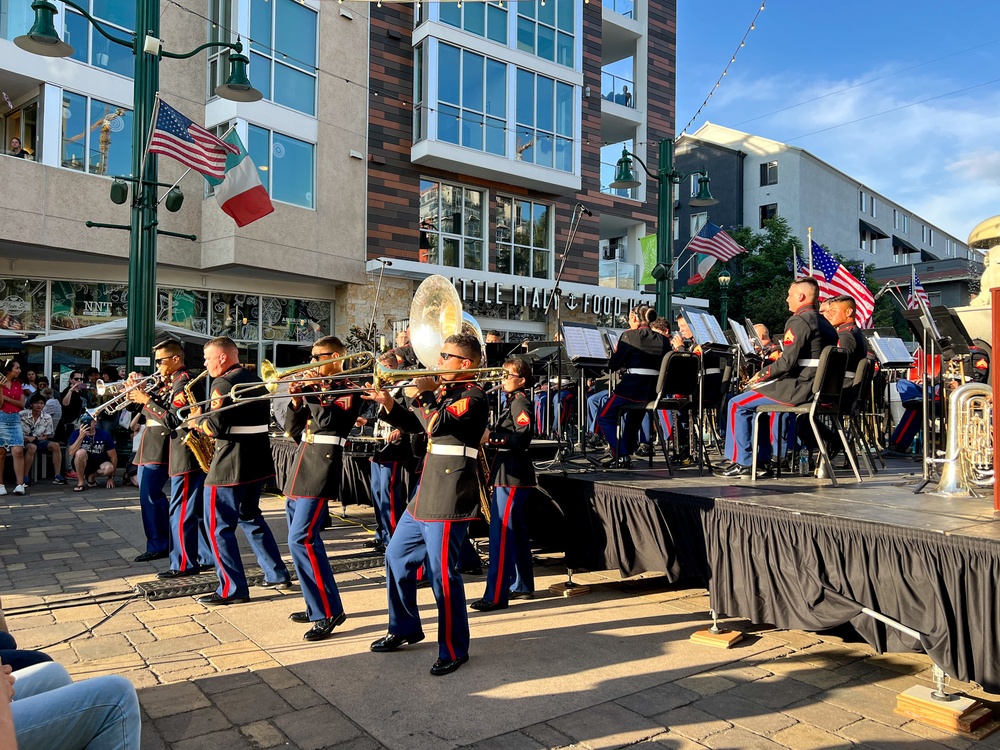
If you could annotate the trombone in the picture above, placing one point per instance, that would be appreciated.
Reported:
(121, 391)
(272, 375)
(386, 376)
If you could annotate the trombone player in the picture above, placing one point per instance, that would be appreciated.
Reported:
(324, 421)
(454, 412)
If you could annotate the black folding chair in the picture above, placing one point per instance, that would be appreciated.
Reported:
(827, 387)
(676, 386)
(853, 407)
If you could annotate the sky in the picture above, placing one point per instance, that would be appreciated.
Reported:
(937, 65)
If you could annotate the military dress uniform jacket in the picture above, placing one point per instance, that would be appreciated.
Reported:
(979, 372)
(164, 410)
(511, 466)
(789, 378)
(856, 345)
(242, 444)
(638, 356)
(454, 418)
(321, 420)
(154, 445)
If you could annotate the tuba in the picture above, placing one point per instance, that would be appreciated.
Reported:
(968, 460)
(202, 446)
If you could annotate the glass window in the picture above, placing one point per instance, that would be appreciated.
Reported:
(184, 308)
(89, 46)
(769, 173)
(79, 304)
(236, 316)
(283, 52)
(286, 165)
(697, 222)
(96, 136)
(470, 86)
(769, 211)
(22, 304)
(484, 19)
(523, 238)
(547, 29)
(544, 106)
(452, 230)
(284, 319)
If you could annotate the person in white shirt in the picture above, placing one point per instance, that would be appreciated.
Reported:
(39, 431)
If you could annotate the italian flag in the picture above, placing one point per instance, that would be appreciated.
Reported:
(705, 263)
(240, 193)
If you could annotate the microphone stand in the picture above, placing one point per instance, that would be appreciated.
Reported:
(378, 292)
(566, 450)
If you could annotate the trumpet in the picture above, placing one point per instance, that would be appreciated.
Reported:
(110, 389)
(272, 375)
(386, 376)
(147, 384)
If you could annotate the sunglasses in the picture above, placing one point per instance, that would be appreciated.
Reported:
(163, 359)
(447, 355)
(76, 379)
(507, 375)
(318, 357)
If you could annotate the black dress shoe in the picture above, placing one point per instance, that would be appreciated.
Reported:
(147, 556)
(521, 595)
(168, 574)
(447, 666)
(205, 568)
(485, 605)
(214, 600)
(379, 549)
(472, 571)
(391, 642)
(371, 543)
(324, 628)
(735, 470)
(286, 584)
(302, 617)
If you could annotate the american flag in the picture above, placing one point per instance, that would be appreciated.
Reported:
(834, 279)
(176, 136)
(916, 290)
(712, 240)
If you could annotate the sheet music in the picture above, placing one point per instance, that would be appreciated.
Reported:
(718, 335)
(699, 327)
(612, 335)
(584, 341)
(746, 346)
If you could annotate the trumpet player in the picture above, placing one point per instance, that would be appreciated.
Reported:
(512, 477)
(324, 421)
(240, 464)
(454, 413)
(190, 551)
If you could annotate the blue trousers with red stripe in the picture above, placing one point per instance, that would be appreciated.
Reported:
(390, 496)
(510, 547)
(222, 514)
(908, 427)
(154, 506)
(607, 425)
(305, 515)
(189, 544)
(436, 544)
(739, 433)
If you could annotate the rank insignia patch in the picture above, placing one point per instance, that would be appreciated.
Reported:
(523, 419)
(459, 407)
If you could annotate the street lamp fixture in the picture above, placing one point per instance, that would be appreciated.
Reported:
(43, 39)
(724, 279)
(666, 177)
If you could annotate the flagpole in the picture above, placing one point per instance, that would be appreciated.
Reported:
(188, 170)
(149, 138)
(810, 235)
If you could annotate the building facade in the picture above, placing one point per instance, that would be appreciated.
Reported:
(273, 285)
(492, 126)
(757, 178)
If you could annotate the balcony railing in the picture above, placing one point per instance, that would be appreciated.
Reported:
(618, 90)
(618, 275)
(624, 7)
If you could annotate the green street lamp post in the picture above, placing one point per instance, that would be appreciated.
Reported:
(666, 177)
(724, 279)
(42, 39)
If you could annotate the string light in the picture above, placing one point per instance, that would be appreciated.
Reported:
(725, 71)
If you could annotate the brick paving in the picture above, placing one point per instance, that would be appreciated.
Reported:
(221, 679)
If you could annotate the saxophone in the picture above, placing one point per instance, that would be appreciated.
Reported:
(202, 446)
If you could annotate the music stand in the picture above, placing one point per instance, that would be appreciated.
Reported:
(587, 348)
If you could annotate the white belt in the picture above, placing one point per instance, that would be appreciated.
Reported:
(713, 371)
(849, 376)
(326, 439)
(453, 450)
(256, 429)
(641, 371)
(808, 363)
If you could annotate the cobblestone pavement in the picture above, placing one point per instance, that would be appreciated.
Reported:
(609, 669)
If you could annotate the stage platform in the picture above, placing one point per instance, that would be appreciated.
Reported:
(800, 554)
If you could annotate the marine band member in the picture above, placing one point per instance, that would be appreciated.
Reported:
(241, 463)
(324, 422)
(454, 413)
(152, 458)
(512, 477)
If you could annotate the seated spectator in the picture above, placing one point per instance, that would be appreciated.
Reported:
(52, 406)
(30, 382)
(39, 431)
(11, 436)
(93, 454)
(51, 712)
(11, 655)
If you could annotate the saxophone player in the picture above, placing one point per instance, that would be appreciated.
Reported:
(190, 552)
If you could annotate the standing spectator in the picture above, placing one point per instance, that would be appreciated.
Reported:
(626, 96)
(16, 150)
(30, 382)
(10, 423)
(106, 421)
(93, 453)
(73, 404)
(39, 431)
